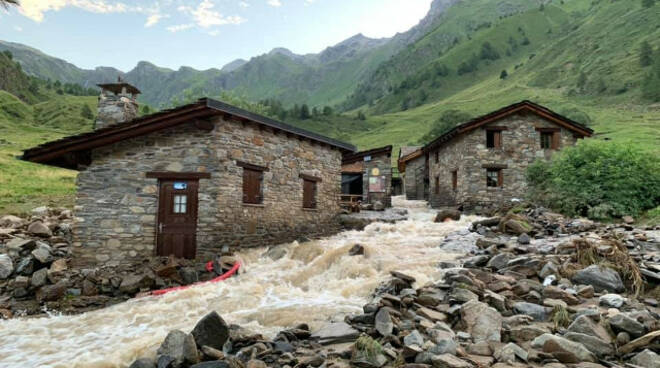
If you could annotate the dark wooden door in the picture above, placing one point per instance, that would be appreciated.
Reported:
(177, 218)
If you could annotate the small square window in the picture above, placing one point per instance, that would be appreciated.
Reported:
(493, 139)
(180, 203)
(494, 178)
(546, 140)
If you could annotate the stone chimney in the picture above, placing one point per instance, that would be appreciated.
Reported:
(117, 104)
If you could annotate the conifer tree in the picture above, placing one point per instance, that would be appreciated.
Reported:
(645, 54)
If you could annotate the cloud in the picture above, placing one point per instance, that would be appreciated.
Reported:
(275, 3)
(205, 16)
(180, 27)
(35, 9)
(243, 4)
(18, 28)
(155, 18)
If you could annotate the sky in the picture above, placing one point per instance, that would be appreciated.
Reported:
(198, 33)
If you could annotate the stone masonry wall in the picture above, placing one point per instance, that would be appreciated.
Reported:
(118, 204)
(468, 153)
(414, 178)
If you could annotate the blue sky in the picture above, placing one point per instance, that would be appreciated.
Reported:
(197, 33)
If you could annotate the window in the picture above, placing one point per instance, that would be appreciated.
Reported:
(494, 178)
(546, 140)
(454, 179)
(493, 139)
(180, 203)
(309, 193)
(437, 156)
(437, 185)
(252, 186)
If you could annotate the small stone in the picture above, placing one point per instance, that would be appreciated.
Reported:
(58, 265)
(38, 228)
(21, 282)
(623, 323)
(143, 363)
(89, 288)
(586, 291)
(21, 245)
(448, 214)
(628, 220)
(585, 325)
(611, 301)
(431, 314)
(523, 239)
(42, 253)
(334, 333)
(622, 338)
(413, 339)
(595, 345)
(131, 284)
(356, 250)
(39, 278)
(6, 266)
(383, 322)
(211, 331)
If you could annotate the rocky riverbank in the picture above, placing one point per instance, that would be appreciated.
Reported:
(36, 275)
(537, 290)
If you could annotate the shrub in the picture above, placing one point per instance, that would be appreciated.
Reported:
(597, 179)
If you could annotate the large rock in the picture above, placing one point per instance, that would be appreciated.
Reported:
(21, 245)
(131, 284)
(6, 266)
(483, 322)
(181, 347)
(646, 359)
(334, 333)
(38, 228)
(564, 350)
(585, 325)
(595, 345)
(601, 278)
(448, 214)
(449, 361)
(538, 312)
(623, 323)
(39, 278)
(211, 331)
(383, 322)
(42, 253)
(51, 293)
(10, 221)
(143, 363)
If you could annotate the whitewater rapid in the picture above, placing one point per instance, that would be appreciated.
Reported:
(315, 282)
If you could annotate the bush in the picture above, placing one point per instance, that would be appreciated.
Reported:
(597, 179)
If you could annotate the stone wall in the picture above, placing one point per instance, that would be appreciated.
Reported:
(414, 178)
(118, 204)
(383, 163)
(468, 154)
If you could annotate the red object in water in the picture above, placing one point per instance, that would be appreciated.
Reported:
(222, 277)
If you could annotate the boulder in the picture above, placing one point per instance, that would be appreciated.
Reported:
(51, 293)
(21, 245)
(509, 352)
(448, 214)
(483, 322)
(42, 253)
(131, 284)
(585, 325)
(181, 347)
(601, 278)
(356, 250)
(646, 359)
(623, 323)
(39, 278)
(564, 350)
(10, 221)
(538, 312)
(595, 345)
(6, 266)
(383, 322)
(211, 331)
(38, 228)
(334, 333)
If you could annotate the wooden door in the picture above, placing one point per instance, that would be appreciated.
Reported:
(177, 218)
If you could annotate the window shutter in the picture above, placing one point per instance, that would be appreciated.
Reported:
(498, 139)
(252, 192)
(309, 194)
(555, 140)
(500, 178)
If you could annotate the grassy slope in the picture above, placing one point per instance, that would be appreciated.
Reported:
(24, 185)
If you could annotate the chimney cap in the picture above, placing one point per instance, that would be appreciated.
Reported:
(117, 88)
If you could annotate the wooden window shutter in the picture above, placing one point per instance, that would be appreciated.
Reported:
(454, 179)
(252, 191)
(556, 136)
(498, 139)
(309, 194)
(500, 178)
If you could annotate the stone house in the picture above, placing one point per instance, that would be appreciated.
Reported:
(413, 167)
(190, 180)
(368, 175)
(481, 164)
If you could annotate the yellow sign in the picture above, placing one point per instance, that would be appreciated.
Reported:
(375, 171)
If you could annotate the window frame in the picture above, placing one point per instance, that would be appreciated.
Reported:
(314, 185)
(180, 204)
(436, 188)
(496, 137)
(454, 180)
(499, 177)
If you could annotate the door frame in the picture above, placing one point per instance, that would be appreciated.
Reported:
(183, 176)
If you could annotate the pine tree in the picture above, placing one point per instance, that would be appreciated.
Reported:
(86, 112)
(327, 110)
(645, 54)
(648, 3)
(304, 112)
(504, 74)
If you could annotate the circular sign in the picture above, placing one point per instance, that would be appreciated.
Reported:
(375, 171)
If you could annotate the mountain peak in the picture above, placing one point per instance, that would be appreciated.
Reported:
(282, 51)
